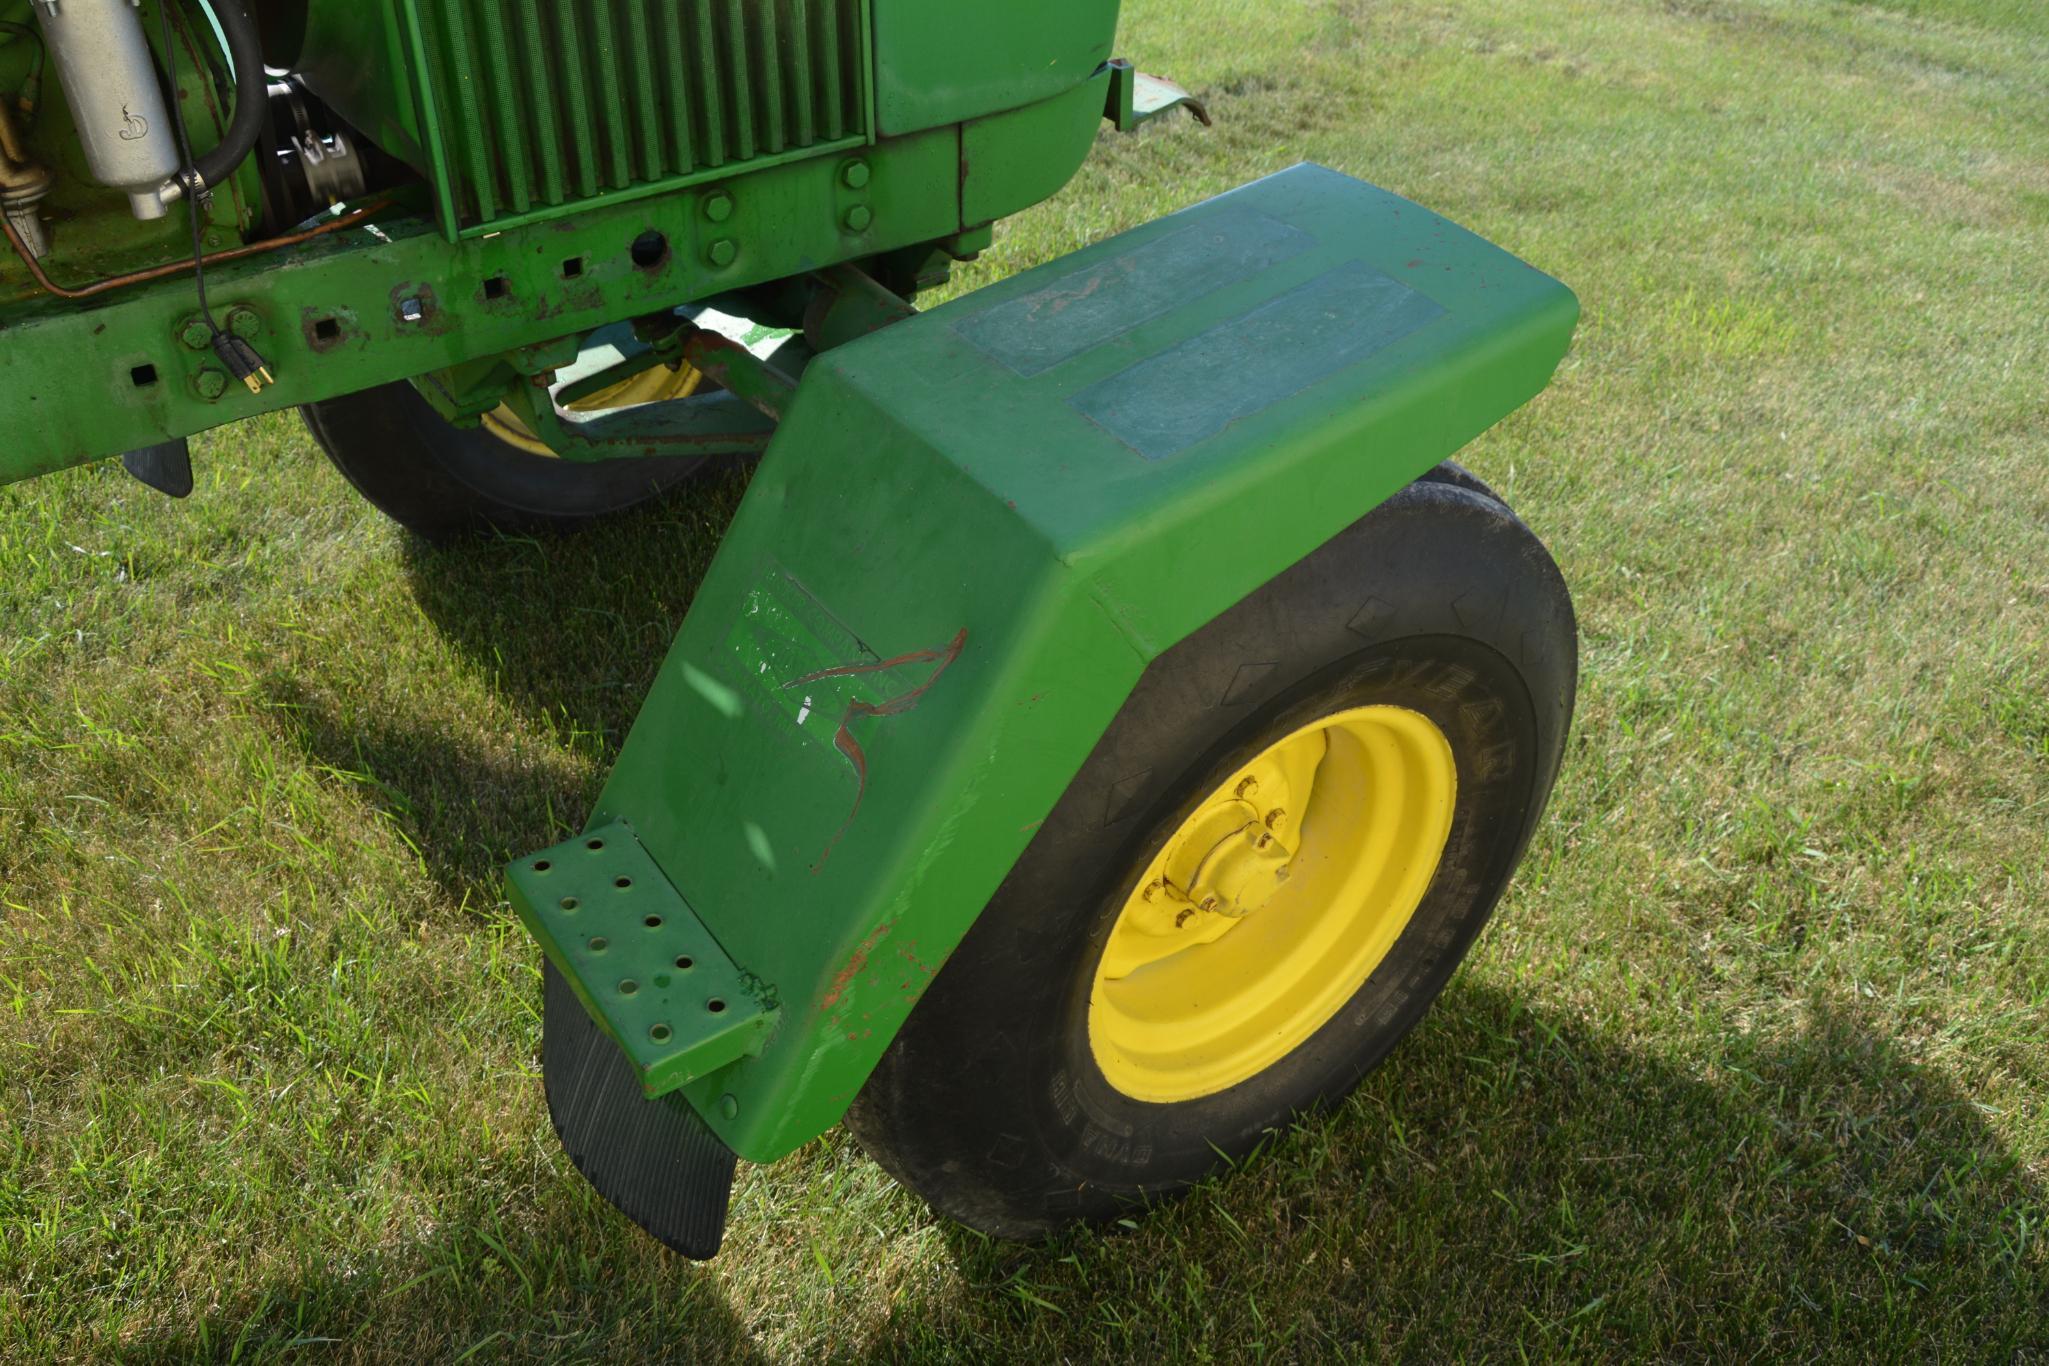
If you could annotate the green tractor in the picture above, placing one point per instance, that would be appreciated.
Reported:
(1108, 720)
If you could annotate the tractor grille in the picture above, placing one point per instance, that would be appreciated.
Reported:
(545, 106)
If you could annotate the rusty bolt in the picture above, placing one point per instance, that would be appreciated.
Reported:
(1183, 918)
(1247, 789)
(1209, 903)
(858, 218)
(718, 206)
(1263, 841)
(196, 334)
(1276, 818)
(1153, 889)
(722, 252)
(210, 383)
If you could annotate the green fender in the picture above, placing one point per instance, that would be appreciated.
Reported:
(972, 533)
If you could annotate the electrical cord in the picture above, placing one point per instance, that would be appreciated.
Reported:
(244, 361)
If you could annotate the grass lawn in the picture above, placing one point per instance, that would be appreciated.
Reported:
(1754, 1059)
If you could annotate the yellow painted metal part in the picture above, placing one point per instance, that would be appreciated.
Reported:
(1270, 906)
(649, 386)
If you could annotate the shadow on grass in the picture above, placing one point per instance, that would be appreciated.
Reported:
(1510, 1180)
(571, 629)
(568, 631)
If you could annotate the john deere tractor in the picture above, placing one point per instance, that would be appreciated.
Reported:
(1108, 720)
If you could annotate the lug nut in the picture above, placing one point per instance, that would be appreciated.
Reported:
(1275, 818)
(1247, 789)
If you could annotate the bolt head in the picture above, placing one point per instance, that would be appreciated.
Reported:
(1247, 789)
(718, 206)
(855, 175)
(729, 1105)
(211, 383)
(1276, 818)
(244, 322)
(859, 217)
(722, 252)
(195, 334)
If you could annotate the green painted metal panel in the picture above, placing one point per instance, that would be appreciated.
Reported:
(940, 62)
(1020, 157)
(83, 380)
(973, 532)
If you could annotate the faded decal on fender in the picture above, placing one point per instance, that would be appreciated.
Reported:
(1163, 405)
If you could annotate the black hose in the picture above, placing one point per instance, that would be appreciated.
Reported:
(252, 93)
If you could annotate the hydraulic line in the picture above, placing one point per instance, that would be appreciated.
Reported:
(348, 220)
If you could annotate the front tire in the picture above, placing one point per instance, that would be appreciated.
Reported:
(443, 481)
(1087, 1047)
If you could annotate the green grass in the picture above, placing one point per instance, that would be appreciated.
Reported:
(1754, 1060)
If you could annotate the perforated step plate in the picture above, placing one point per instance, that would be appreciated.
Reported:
(638, 957)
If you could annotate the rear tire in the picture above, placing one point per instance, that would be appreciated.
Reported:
(995, 1102)
(443, 481)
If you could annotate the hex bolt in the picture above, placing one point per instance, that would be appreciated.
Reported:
(1247, 789)
(1276, 818)
(855, 175)
(718, 206)
(210, 383)
(722, 252)
(196, 334)
(244, 322)
(1183, 918)
(858, 218)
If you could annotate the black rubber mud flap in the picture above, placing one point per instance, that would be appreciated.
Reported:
(657, 1160)
(165, 467)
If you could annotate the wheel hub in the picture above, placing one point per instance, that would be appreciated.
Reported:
(1270, 905)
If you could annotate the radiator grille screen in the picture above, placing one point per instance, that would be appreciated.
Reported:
(545, 105)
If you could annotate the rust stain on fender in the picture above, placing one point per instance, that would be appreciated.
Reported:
(852, 968)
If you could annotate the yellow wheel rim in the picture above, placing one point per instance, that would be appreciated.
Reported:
(658, 385)
(1270, 906)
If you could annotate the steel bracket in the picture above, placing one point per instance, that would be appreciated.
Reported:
(1137, 98)
(639, 959)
